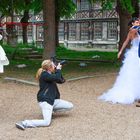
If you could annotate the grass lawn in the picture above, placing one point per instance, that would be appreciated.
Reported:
(70, 70)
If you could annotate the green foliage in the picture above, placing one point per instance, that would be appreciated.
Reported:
(33, 5)
(36, 6)
(65, 8)
(107, 4)
(127, 5)
(17, 52)
(18, 6)
(6, 7)
(63, 53)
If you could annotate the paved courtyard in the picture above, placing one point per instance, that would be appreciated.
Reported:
(90, 119)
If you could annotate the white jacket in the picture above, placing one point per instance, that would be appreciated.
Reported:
(3, 59)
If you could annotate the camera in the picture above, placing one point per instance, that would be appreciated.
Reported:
(62, 62)
(53, 58)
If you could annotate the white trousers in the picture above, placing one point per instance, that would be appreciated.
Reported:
(47, 109)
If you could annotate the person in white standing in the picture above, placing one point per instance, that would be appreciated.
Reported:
(48, 95)
(3, 58)
(126, 89)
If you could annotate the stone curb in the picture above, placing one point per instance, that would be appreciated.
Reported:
(20, 81)
(16, 80)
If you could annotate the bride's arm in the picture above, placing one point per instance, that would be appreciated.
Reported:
(125, 44)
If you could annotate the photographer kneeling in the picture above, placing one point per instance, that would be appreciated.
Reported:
(48, 95)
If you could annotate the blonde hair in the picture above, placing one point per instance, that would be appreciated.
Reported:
(44, 66)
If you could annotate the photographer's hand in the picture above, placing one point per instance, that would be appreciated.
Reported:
(59, 66)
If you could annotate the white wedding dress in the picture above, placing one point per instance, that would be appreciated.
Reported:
(126, 88)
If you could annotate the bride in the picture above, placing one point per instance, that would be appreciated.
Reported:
(126, 88)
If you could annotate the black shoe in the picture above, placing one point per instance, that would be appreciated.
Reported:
(137, 105)
(20, 125)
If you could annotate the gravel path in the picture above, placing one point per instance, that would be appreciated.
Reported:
(90, 119)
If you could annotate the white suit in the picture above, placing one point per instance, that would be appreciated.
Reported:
(3, 59)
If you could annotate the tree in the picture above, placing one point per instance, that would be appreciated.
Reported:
(24, 21)
(63, 8)
(34, 6)
(49, 28)
(52, 11)
(124, 18)
(125, 9)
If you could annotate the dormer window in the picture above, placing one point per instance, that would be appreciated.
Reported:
(84, 5)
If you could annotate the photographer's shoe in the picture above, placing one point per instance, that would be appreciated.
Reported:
(138, 105)
(20, 125)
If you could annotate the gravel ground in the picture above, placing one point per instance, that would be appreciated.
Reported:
(90, 119)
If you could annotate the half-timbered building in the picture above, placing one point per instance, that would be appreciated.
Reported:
(90, 27)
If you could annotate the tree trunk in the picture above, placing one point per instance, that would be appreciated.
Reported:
(11, 37)
(24, 23)
(57, 19)
(49, 28)
(10, 29)
(135, 4)
(57, 30)
(124, 18)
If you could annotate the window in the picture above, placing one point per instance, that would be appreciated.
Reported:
(19, 31)
(30, 31)
(84, 31)
(39, 35)
(84, 4)
(97, 30)
(112, 30)
(61, 31)
(39, 30)
(97, 5)
(72, 31)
